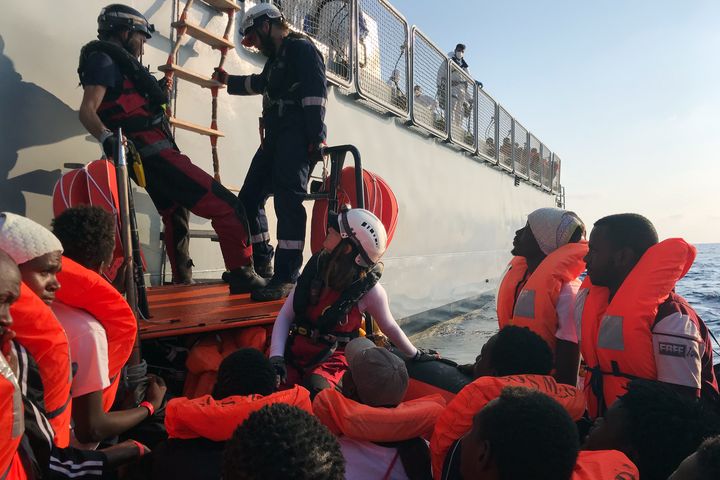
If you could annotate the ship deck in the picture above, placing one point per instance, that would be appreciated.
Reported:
(181, 310)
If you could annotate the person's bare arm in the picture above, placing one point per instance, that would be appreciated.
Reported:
(92, 98)
(93, 424)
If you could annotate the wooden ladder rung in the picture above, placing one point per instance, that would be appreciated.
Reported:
(190, 76)
(223, 4)
(192, 127)
(203, 35)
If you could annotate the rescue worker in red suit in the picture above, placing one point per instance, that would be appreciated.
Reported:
(294, 90)
(120, 92)
(631, 322)
(324, 311)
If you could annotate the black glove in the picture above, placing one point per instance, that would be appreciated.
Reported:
(315, 151)
(278, 363)
(428, 355)
(220, 75)
(110, 146)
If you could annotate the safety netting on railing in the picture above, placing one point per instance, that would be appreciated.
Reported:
(487, 141)
(521, 147)
(506, 146)
(329, 23)
(546, 158)
(382, 56)
(534, 159)
(462, 108)
(556, 169)
(429, 95)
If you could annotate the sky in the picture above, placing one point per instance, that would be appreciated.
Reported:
(626, 92)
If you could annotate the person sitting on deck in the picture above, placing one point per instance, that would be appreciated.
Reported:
(631, 322)
(538, 290)
(513, 357)
(93, 313)
(279, 442)
(655, 426)
(198, 428)
(380, 435)
(704, 464)
(325, 309)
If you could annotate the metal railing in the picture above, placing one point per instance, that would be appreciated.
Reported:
(382, 56)
(369, 46)
(487, 127)
(546, 158)
(429, 99)
(330, 24)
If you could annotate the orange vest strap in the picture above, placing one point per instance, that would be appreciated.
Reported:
(456, 420)
(216, 420)
(41, 334)
(604, 464)
(411, 419)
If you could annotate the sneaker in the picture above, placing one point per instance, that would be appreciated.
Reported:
(274, 290)
(244, 280)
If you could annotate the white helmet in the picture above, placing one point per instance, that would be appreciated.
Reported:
(366, 232)
(258, 11)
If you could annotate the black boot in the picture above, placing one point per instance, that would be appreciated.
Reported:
(265, 270)
(244, 280)
(274, 290)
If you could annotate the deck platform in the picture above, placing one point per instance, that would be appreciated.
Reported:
(181, 310)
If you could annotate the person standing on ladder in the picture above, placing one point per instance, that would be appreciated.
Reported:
(120, 92)
(294, 90)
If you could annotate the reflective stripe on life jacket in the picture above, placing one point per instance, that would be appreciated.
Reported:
(216, 420)
(12, 424)
(84, 289)
(535, 306)
(456, 420)
(604, 465)
(616, 339)
(411, 419)
(42, 335)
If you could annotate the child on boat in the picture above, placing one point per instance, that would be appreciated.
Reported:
(324, 311)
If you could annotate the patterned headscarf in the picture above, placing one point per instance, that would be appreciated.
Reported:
(553, 227)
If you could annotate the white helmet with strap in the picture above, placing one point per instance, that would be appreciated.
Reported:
(256, 12)
(366, 232)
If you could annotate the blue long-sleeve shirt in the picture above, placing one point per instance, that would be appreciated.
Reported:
(297, 73)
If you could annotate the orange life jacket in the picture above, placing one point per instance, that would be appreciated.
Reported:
(411, 419)
(16, 470)
(456, 420)
(535, 306)
(616, 339)
(12, 422)
(604, 465)
(206, 355)
(42, 335)
(216, 420)
(84, 289)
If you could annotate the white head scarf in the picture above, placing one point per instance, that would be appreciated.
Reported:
(553, 227)
(24, 239)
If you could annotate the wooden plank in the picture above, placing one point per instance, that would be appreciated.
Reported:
(192, 127)
(223, 4)
(203, 35)
(190, 76)
(186, 309)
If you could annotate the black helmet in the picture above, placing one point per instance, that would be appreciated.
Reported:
(121, 17)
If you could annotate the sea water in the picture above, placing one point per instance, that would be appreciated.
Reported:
(461, 337)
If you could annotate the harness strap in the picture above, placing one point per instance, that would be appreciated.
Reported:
(59, 410)
(155, 148)
(388, 472)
